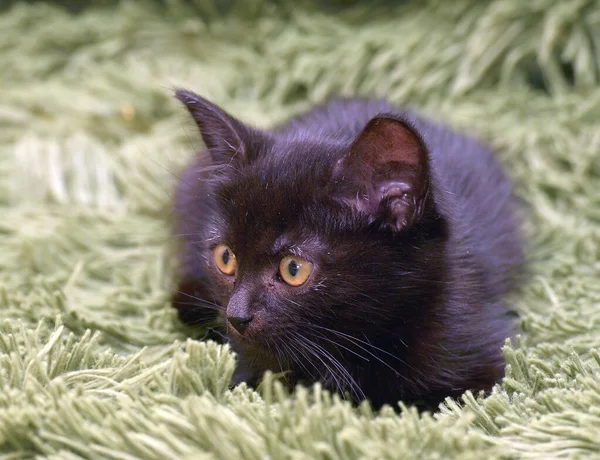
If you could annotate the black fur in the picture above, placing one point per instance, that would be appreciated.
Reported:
(406, 298)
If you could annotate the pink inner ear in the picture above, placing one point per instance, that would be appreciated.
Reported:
(386, 140)
(388, 166)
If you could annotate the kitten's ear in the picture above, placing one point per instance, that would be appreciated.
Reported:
(224, 136)
(386, 172)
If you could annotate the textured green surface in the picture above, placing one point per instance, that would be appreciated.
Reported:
(91, 144)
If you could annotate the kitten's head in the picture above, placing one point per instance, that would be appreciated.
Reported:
(310, 242)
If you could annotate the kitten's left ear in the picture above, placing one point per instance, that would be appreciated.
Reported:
(386, 172)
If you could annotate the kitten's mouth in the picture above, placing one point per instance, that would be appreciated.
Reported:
(263, 354)
(250, 335)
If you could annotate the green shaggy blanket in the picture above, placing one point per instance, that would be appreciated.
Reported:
(93, 362)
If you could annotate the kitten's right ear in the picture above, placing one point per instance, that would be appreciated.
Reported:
(225, 137)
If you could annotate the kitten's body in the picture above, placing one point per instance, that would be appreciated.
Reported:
(397, 307)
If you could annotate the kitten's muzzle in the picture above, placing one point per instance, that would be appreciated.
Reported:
(240, 323)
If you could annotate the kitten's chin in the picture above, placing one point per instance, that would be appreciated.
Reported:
(257, 351)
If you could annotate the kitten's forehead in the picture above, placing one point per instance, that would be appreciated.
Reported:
(280, 199)
(281, 181)
(267, 206)
(297, 244)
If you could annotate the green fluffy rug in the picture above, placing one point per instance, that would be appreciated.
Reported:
(93, 362)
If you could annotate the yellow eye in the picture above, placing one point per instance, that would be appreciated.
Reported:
(294, 270)
(225, 259)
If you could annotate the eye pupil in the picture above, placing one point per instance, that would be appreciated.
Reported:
(293, 268)
(225, 257)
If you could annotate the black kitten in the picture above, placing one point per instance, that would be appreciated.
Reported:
(358, 245)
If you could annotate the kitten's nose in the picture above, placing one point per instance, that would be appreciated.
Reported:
(240, 323)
